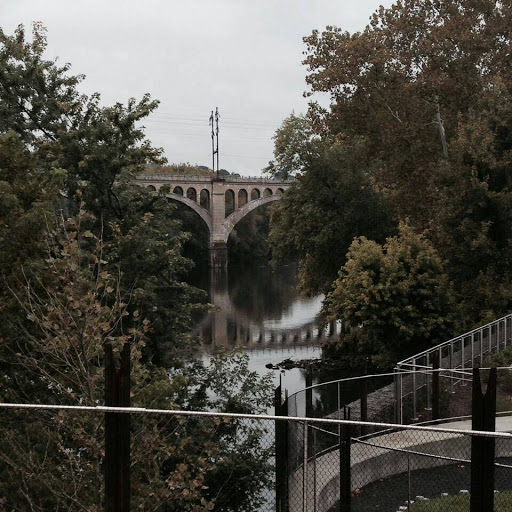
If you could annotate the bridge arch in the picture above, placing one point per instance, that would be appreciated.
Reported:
(204, 199)
(207, 197)
(239, 214)
(229, 202)
(204, 214)
(242, 197)
(192, 194)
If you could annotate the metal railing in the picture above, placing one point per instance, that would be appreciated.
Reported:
(427, 388)
(455, 358)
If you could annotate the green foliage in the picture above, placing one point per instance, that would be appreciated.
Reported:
(89, 258)
(406, 82)
(292, 144)
(420, 100)
(333, 202)
(395, 299)
(247, 243)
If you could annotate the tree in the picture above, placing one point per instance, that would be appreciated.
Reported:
(422, 95)
(334, 201)
(405, 83)
(100, 150)
(91, 258)
(292, 143)
(396, 298)
(73, 306)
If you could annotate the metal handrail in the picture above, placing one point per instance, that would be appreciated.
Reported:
(454, 339)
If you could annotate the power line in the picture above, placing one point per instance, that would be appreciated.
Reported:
(200, 124)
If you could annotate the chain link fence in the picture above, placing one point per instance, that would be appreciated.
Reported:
(52, 458)
(394, 470)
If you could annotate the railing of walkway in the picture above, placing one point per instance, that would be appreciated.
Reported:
(454, 357)
(426, 388)
(51, 457)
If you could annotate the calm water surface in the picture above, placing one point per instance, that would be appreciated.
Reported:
(260, 311)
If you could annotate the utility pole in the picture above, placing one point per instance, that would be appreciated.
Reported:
(214, 123)
(217, 116)
(213, 142)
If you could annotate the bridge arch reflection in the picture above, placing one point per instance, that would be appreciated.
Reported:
(229, 326)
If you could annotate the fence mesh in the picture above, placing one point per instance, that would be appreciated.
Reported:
(54, 460)
(396, 470)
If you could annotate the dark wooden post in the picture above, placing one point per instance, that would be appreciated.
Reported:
(345, 481)
(436, 413)
(281, 440)
(364, 396)
(483, 448)
(117, 432)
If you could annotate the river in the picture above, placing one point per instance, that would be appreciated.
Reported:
(259, 310)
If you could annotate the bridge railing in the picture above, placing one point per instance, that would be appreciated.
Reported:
(207, 179)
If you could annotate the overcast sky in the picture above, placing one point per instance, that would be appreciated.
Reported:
(194, 55)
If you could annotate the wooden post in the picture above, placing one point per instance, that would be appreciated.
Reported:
(345, 481)
(117, 432)
(483, 448)
(281, 440)
(436, 413)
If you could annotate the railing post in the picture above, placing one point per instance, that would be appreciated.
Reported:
(309, 392)
(435, 388)
(472, 349)
(398, 396)
(451, 366)
(483, 448)
(314, 469)
(427, 381)
(414, 415)
(481, 336)
(463, 362)
(305, 469)
(281, 442)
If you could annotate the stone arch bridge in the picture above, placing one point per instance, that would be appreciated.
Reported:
(220, 202)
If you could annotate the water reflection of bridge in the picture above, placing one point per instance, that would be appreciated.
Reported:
(230, 327)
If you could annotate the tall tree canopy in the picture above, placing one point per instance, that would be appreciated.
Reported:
(422, 96)
(48, 128)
